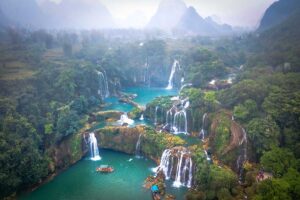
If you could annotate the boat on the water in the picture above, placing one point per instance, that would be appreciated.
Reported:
(105, 169)
(155, 192)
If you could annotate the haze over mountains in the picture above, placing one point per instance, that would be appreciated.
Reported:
(167, 15)
(171, 16)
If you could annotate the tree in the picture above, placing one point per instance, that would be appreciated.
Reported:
(273, 189)
(66, 84)
(246, 110)
(278, 161)
(67, 123)
(264, 134)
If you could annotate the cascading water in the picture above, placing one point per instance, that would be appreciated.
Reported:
(177, 182)
(242, 158)
(103, 85)
(189, 184)
(155, 118)
(202, 132)
(176, 118)
(124, 119)
(180, 122)
(184, 86)
(207, 156)
(142, 117)
(164, 163)
(94, 148)
(138, 147)
(173, 70)
(183, 170)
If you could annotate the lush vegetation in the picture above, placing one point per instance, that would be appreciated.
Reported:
(49, 85)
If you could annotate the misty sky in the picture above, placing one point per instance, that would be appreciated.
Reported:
(234, 12)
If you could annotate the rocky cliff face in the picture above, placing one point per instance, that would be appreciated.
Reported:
(70, 150)
(226, 138)
(124, 139)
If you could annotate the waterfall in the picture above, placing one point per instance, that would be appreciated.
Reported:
(94, 147)
(180, 122)
(155, 118)
(183, 170)
(184, 86)
(202, 132)
(242, 158)
(164, 163)
(207, 156)
(176, 118)
(169, 119)
(177, 182)
(189, 184)
(103, 85)
(212, 82)
(124, 119)
(138, 146)
(142, 117)
(173, 70)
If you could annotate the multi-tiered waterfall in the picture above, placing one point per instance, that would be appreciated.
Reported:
(202, 131)
(177, 164)
(176, 118)
(103, 85)
(171, 77)
(94, 147)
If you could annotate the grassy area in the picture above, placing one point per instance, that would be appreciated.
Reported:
(15, 70)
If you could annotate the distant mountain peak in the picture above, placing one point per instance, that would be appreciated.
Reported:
(167, 15)
(278, 12)
(193, 24)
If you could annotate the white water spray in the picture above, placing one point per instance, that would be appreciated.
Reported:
(103, 85)
(125, 120)
(94, 148)
(138, 147)
(173, 70)
(202, 132)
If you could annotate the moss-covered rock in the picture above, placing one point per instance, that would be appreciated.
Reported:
(158, 109)
(225, 138)
(108, 115)
(67, 152)
(124, 139)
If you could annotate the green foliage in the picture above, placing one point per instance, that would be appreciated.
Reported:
(246, 110)
(283, 106)
(204, 66)
(68, 123)
(273, 189)
(135, 113)
(156, 143)
(242, 91)
(196, 96)
(264, 134)
(222, 135)
(292, 177)
(210, 100)
(80, 105)
(278, 161)
(24, 164)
